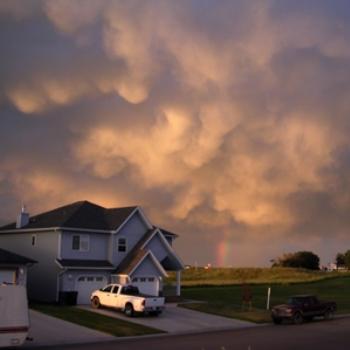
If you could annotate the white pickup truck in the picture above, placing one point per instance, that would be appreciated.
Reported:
(14, 317)
(126, 298)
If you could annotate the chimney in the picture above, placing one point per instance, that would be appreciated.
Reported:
(22, 218)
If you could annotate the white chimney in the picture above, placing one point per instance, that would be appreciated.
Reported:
(22, 218)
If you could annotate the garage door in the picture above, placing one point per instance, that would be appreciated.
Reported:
(85, 285)
(148, 285)
(7, 276)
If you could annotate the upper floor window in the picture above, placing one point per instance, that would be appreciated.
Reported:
(121, 244)
(81, 242)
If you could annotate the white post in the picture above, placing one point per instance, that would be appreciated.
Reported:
(268, 298)
(178, 283)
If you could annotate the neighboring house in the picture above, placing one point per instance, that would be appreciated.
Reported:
(82, 246)
(13, 268)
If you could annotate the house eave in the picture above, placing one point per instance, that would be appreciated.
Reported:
(56, 228)
(28, 230)
(72, 267)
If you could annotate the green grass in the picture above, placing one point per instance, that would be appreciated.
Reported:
(232, 276)
(226, 300)
(113, 326)
(232, 311)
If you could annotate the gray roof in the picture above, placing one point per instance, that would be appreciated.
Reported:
(83, 214)
(85, 263)
(9, 258)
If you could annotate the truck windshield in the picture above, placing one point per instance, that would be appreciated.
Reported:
(295, 301)
(130, 290)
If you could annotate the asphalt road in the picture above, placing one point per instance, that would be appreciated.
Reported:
(320, 335)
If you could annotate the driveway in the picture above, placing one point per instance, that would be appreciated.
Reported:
(47, 330)
(179, 320)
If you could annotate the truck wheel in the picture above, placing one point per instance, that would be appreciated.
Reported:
(298, 318)
(129, 310)
(277, 320)
(329, 314)
(95, 302)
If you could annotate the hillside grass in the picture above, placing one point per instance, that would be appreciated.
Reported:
(220, 291)
(236, 276)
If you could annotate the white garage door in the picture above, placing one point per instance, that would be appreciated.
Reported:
(85, 285)
(7, 276)
(148, 285)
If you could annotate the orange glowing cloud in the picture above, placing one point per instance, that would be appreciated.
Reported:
(228, 122)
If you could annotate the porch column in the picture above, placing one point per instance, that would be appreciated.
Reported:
(178, 283)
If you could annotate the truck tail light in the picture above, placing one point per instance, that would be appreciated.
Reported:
(143, 302)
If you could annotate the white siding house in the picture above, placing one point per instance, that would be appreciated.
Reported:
(82, 246)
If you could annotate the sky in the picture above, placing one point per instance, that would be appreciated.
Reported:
(227, 121)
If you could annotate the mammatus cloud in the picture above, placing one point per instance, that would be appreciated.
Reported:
(228, 121)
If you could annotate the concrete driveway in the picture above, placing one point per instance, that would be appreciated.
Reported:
(179, 320)
(47, 330)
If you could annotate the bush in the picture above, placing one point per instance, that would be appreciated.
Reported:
(306, 260)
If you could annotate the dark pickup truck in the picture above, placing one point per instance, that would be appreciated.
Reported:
(303, 307)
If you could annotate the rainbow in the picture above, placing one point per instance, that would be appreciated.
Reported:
(224, 252)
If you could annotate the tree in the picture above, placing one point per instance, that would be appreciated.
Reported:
(340, 260)
(303, 259)
(347, 259)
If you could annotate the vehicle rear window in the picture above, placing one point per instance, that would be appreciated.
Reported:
(130, 290)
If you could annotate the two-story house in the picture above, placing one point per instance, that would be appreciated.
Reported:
(82, 246)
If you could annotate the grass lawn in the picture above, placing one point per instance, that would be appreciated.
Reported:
(118, 328)
(226, 300)
(224, 276)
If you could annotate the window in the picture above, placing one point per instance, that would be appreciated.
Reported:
(135, 279)
(107, 289)
(130, 290)
(84, 243)
(142, 279)
(90, 279)
(81, 242)
(151, 279)
(76, 242)
(81, 279)
(122, 245)
(33, 240)
(115, 290)
(99, 279)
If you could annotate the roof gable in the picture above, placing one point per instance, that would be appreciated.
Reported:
(149, 257)
(157, 234)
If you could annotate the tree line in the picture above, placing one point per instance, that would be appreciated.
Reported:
(309, 260)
